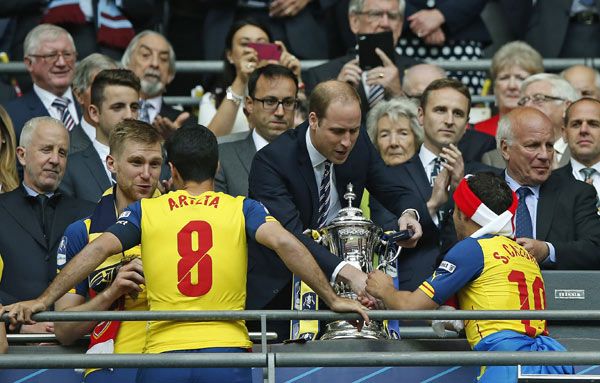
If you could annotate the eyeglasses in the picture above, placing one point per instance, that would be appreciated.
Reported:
(538, 99)
(374, 16)
(52, 58)
(271, 104)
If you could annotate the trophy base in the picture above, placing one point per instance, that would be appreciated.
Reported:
(345, 330)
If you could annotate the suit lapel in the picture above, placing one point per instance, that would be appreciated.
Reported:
(35, 105)
(307, 173)
(21, 211)
(245, 152)
(94, 164)
(417, 173)
(549, 194)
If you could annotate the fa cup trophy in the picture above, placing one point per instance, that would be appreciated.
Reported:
(355, 239)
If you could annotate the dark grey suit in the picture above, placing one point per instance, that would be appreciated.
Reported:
(553, 34)
(78, 140)
(567, 218)
(30, 259)
(235, 159)
(85, 177)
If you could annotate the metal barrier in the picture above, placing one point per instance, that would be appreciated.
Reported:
(217, 66)
(270, 360)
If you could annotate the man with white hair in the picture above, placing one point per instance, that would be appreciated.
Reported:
(583, 78)
(49, 57)
(384, 81)
(34, 216)
(550, 94)
(152, 58)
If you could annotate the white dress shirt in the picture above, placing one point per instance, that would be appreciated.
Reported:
(577, 166)
(103, 151)
(318, 164)
(532, 201)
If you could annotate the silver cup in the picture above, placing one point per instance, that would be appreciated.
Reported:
(355, 239)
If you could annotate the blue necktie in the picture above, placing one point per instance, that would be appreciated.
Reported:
(324, 194)
(523, 219)
(376, 93)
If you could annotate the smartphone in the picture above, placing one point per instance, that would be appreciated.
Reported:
(367, 43)
(266, 51)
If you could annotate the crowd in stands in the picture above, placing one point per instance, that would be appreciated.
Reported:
(87, 139)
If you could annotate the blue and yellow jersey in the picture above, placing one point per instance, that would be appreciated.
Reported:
(194, 253)
(490, 273)
(131, 335)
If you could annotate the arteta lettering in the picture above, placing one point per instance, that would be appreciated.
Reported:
(206, 200)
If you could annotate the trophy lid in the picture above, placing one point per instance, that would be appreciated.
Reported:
(350, 214)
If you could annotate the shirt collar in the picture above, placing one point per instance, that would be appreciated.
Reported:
(156, 102)
(577, 166)
(32, 193)
(560, 145)
(259, 141)
(426, 156)
(514, 185)
(48, 98)
(88, 129)
(316, 158)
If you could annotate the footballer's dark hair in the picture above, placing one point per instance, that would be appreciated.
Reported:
(193, 151)
(492, 190)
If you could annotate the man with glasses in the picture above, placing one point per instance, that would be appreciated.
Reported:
(550, 94)
(270, 106)
(368, 16)
(49, 57)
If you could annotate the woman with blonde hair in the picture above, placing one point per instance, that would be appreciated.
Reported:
(9, 180)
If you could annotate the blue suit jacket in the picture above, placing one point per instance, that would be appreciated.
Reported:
(25, 108)
(282, 178)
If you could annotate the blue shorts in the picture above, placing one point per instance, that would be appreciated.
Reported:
(109, 375)
(507, 340)
(197, 375)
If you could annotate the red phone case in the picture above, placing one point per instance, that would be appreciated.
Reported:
(266, 51)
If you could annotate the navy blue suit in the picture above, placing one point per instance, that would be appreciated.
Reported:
(417, 264)
(25, 108)
(282, 178)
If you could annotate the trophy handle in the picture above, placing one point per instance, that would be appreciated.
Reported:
(386, 240)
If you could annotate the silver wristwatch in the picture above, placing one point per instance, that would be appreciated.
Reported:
(232, 96)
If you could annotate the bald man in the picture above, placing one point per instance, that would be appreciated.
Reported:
(556, 220)
(418, 77)
(585, 79)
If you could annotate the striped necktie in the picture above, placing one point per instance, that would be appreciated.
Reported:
(324, 194)
(144, 114)
(376, 93)
(61, 104)
(588, 175)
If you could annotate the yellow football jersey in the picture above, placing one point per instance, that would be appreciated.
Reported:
(194, 253)
(490, 273)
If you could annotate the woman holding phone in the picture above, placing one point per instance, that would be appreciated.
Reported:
(248, 45)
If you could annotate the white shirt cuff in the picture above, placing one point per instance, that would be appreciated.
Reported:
(414, 211)
(337, 271)
(551, 253)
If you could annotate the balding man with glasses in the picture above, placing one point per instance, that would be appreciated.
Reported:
(382, 82)
(49, 57)
(550, 94)
(270, 106)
